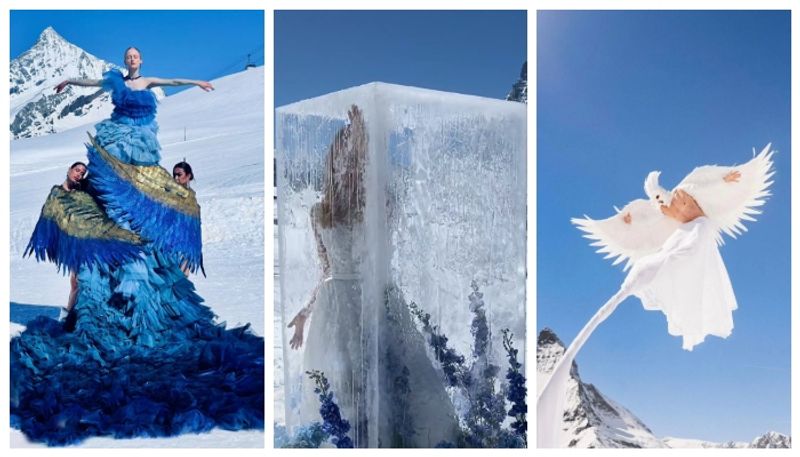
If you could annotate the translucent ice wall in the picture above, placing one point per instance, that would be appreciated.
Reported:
(444, 182)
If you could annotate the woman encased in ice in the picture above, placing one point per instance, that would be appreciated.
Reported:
(142, 355)
(413, 408)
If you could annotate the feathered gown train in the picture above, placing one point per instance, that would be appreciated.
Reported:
(139, 354)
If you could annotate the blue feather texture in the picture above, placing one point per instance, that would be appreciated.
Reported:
(134, 104)
(73, 231)
(168, 229)
(143, 358)
(139, 354)
(70, 253)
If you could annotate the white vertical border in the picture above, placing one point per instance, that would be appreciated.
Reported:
(795, 222)
(5, 239)
(269, 234)
(530, 287)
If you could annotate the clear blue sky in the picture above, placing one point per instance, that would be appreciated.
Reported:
(178, 44)
(624, 93)
(471, 52)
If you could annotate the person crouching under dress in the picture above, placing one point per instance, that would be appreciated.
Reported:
(183, 175)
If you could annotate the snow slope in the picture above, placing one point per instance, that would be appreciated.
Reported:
(221, 134)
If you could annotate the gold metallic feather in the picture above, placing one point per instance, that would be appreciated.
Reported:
(77, 214)
(154, 181)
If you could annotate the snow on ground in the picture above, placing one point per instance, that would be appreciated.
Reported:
(697, 444)
(221, 134)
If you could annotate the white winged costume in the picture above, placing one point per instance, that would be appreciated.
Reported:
(673, 267)
(677, 268)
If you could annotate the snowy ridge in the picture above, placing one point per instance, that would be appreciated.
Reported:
(221, 134)
(592, 420)
(771, 440)
(35, 107)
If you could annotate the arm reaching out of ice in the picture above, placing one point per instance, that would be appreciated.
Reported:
(299, 320)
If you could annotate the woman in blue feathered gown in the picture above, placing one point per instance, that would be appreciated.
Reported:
(139, 355)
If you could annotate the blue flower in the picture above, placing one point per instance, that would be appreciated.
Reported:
(517, 392)
(332, 423)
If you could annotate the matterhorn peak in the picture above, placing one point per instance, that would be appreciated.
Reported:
(50, 34)
(590, 418)
(36, 109)
(548, 337)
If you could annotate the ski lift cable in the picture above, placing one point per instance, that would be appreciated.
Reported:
(240, 61)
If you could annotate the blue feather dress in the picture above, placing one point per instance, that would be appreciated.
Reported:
(139, 355)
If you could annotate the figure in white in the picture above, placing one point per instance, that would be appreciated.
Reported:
(670, 245)
(405, 404)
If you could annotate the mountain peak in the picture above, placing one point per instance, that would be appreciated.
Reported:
(548, 337)
(49, 34)
(590, 418)
(35, 107)
(772, 440)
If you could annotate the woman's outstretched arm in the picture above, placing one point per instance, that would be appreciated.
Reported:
(299, 320)
(155, 82)
(78, 82)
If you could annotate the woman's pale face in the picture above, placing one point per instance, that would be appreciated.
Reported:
(181, 177)
(133, 60)
(76, 173)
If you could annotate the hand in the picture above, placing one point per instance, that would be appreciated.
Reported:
(732, 176)
(299, 322)
(205, 85)
(683, 208)
(356, 117)
(60, 87)
(354, 113)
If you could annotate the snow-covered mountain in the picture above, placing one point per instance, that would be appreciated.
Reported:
(35, 107)
(772, 440)
(592, 420)
(221, 134)
(519, 91)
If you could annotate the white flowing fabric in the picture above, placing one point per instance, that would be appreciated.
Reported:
(688, 282)
(686, 279)
(414, 409)
(550, 404)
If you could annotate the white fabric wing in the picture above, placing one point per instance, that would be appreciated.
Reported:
(728, 204)
(646, 232)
